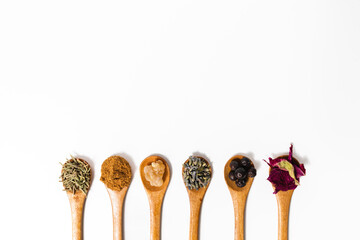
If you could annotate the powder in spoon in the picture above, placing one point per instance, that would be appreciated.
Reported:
(75, 175)
(115, 173)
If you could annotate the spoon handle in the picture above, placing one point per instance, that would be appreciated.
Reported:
(117, 200)
(117, 219)
(195, 208)
(155, 218)
(239, 210)
(77, 201)
(283, 202)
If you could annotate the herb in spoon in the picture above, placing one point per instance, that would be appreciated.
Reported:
(76, 177)
(196, 175)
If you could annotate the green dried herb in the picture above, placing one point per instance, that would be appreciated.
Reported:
(197, 173)
(75, 175)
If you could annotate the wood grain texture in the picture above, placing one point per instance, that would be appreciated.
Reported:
(239, 197)
(155, 195)
(77, 201)
(283, 203)
(196, 198)
(117, 203)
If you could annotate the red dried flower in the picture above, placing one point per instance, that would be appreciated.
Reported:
(285, 173)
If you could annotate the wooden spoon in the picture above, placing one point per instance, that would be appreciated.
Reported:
(239, 196)
(283, 202)
(77, 202)
(196, 197)
(117, 202)
(155, 195)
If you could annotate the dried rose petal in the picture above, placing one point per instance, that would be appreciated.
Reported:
(299, 171)
(281, 179)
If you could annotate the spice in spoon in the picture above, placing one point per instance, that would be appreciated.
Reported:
(285, 172)
(75, 175)
(196, 173)
(241, 170)
(154, 173)
(115, 173)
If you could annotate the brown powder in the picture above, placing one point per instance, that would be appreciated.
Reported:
(116, 173)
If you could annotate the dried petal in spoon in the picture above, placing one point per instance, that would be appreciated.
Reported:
(283, 202)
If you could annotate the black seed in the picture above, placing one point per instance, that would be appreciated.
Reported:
(240, 173)
(232, 175)
(245, 162)
(240, 182)
(234, 164)
(252, 172)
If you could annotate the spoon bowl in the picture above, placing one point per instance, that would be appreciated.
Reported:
(155, 195)
(239, 197)
(231, 184)
(166, 177)
(196, 197)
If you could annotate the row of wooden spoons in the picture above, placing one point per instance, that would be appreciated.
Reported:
(156, 196)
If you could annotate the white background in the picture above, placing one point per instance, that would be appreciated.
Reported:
(135, 78)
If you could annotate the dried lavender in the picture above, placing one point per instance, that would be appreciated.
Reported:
(76, 175)
(196, 173)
